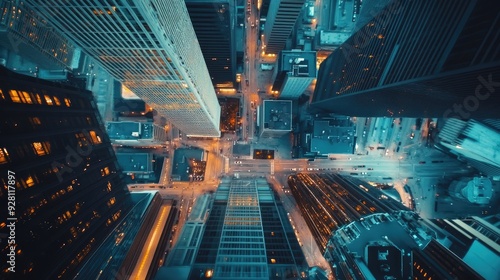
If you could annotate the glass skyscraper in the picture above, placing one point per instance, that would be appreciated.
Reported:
(417, 59)
(67, 191)
(151, 47)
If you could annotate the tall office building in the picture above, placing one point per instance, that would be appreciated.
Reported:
(476, 142)
(342, 200)
(295, 71)
(417, 59)
(247, 235)
(366, 235)
(214, 23)
(60, 172)
(151, 47)
(280, 20)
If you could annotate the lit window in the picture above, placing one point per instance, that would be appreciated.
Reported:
(36, 121)
(27, 97)
(82, 140)
(1, 94)
(41, 148)
(67, 102)
(4, 155)
(29, 181)
(105, 171)
(14, 96)
(111, 201)
(38, 98)
(48, 100)
(56, 100)
(108, 187)
(95, 138)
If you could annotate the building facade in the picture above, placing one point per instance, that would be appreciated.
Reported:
(280, 20)
(416, 59)
(149, 46)
(476, 142)
(63, 175)
(247, 235)
(214, 24)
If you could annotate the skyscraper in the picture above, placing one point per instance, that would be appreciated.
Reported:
(60, 172)
(281, 18)
(214, 23)
(365, 234)
(417, 59)
(334, 201)
(247, 235)
(151, 47)
(296, 70)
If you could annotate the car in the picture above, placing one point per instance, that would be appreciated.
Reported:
(237, 162)
(370, 168)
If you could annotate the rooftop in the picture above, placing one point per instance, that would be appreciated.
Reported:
(278, 114)
(298, 63)
(333, 137)
(129, 130)
(135, 162)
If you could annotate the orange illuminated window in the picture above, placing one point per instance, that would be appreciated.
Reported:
(14, 96)
(36, 120)
(95, 138)
(41, 148)
(1, 94)
(67, 102)
(29, 181)
(27, 97)
(4, 155)
(38, 98)
(56, 100)
(48, 100)
(82, 140)
(105, 171)
(111, 201)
